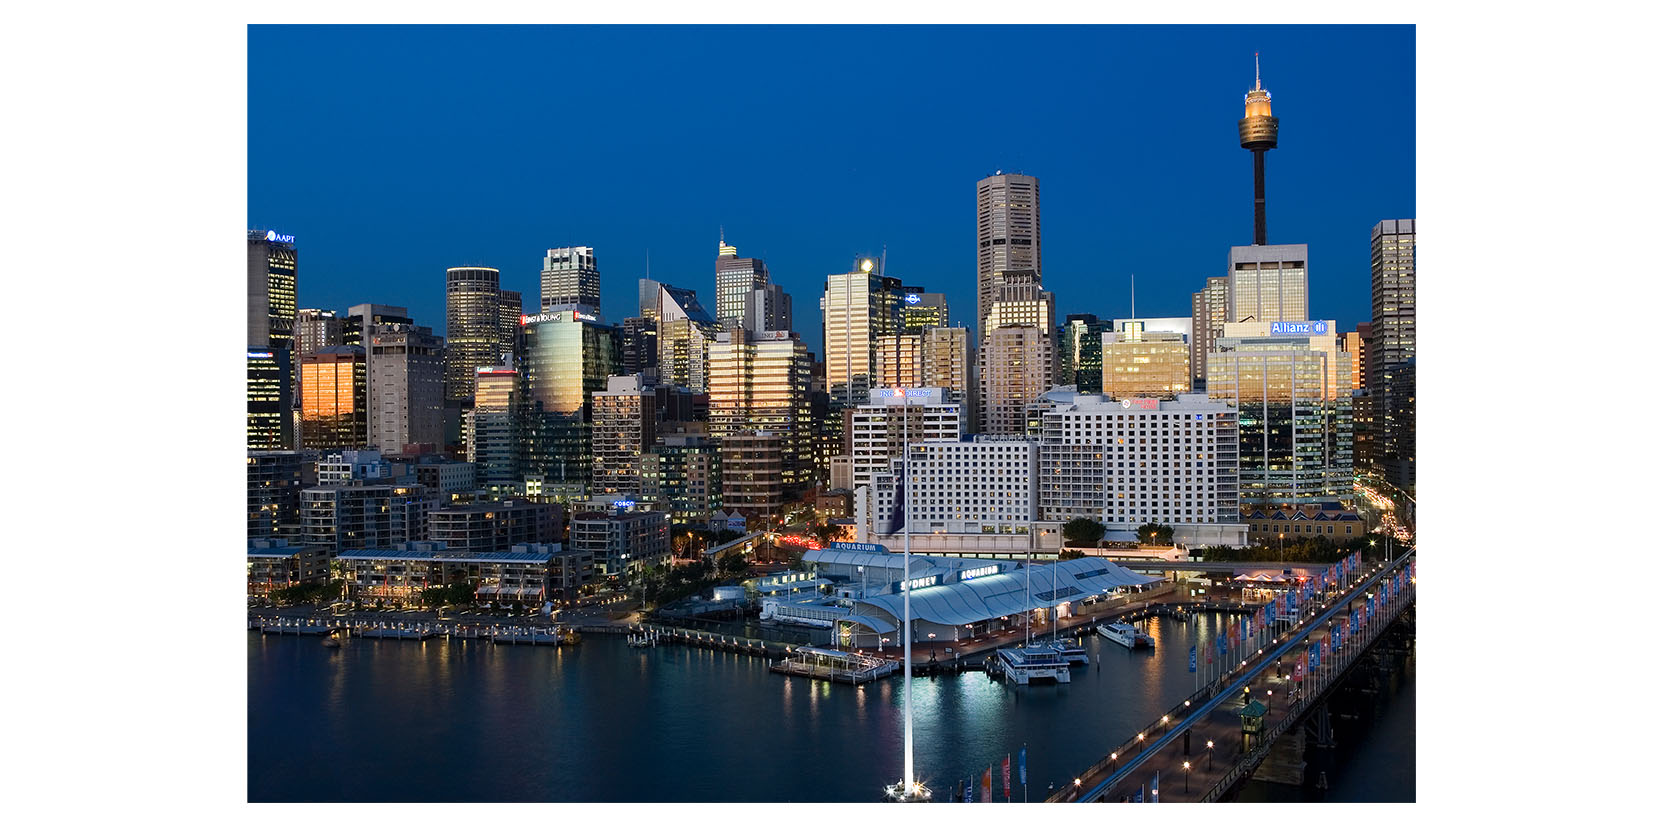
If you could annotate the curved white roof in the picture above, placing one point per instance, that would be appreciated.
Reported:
(999, 595)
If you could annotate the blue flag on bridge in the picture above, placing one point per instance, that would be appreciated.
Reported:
(1291, 601)
(1355, 621)
(1336, 642)
(968, 783)
(1022, 766)
(1314, 657)
(1155, 790)
(1223, 644)
(1191, 658)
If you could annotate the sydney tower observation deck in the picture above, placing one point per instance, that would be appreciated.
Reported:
(1258, 132)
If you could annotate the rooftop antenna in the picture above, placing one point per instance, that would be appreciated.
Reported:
(646, 262)
(1257, 73)
(1134, 295)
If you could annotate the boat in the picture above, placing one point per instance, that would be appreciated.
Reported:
(1124, 634)
(1026, 664)
(1144, 640)
(331, 642)
(1071, 649)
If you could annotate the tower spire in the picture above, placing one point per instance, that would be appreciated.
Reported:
(1257, 73)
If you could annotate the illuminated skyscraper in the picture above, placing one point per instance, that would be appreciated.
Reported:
(494, 436)
(685, 337)
(511, 314)
(1007, 233)
(1394, 345)
(1016, 369)
(623, 429)
(404, 386)
(272, 290)
(758, 383)
(856, 309)
(1269, 284)
(949, 355)
(569, 276)
(1137, 362)
(736, 278)
(768, 308)
(1290, 384)
(269, 400)
(473, 328)
(1211, 310)
(922, 310)
(567, 356)
(335, 392)
(315, 329)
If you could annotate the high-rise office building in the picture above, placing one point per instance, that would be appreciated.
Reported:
(404, 386)
(1269, 283)
(568, 276)
(1394, 339)
(922, 310)
(623, 430)
(1017, 298)
(1016, 369)
(272, 290)
(1007, 233)
(856, 308)
(334, 382)
(898, 360)
(685, 333)
(1211, 311)
(314, 329)
(949, 355)
(1290, 384)
(511, 315)
(473, 328)
(269, 400)
(768, 308)
(1137, 362)
(1355, 344)
(735, 279)
(754, 464)
(1073, 367)
(1399, 398)
(567, 356)
(758, 383)
(360, 317)
(494, 436)
(639, 345)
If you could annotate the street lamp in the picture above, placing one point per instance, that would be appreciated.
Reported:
(1208, 755)
(1185, 776)
(1268, 699)
(1139, 743)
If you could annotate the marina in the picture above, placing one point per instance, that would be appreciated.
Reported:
(833, 665)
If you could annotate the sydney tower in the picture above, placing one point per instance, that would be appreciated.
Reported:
(1258, 131)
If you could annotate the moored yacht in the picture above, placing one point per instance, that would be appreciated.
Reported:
(1124, 634)
(1072, 651)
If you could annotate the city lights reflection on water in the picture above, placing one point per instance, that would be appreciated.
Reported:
(470, 721)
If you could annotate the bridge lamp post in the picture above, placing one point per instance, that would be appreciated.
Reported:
(1139, 743)
(1209, 755)
(1268, 699)
(1185, 776)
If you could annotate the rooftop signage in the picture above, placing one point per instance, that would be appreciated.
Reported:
(1316, 328)
(275, 236)
(1140, 404)
(874, 548)
(260, 354)
(906, 393)
(912, 298)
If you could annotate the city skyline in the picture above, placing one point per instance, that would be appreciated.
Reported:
(1109, 208)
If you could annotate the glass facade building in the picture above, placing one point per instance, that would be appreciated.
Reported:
(567, 356)
(1139, 363)
(1007, 233)
(856, 309)
(1268, 283)
(334, 413)
(269, 400)
(569, 276)
(272, 290)
(1296, 422)
(735, 279)
(473, 328)
(759, 383)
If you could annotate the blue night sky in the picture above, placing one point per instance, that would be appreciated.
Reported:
(393, 153)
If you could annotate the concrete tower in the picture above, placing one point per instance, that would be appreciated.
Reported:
(1258, 132)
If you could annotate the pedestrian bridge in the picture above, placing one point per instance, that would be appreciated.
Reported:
(1248, 697)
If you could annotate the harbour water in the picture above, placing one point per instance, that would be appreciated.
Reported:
(470, 721)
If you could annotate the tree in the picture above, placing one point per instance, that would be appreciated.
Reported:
(1154, 534)
(1070, 554)
(1082, 532)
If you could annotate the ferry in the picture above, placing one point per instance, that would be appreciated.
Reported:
(1026, 664)
(1071, 650)
(1124, 634)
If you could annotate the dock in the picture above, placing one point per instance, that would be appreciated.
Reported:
(833, 665)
